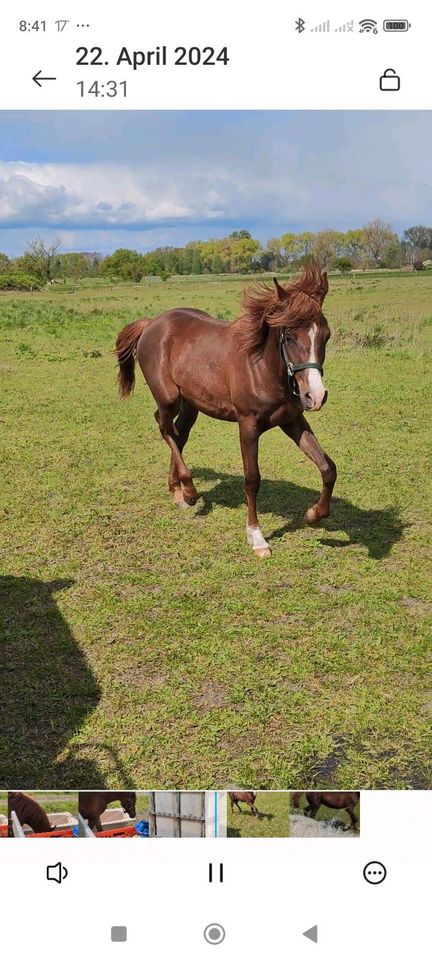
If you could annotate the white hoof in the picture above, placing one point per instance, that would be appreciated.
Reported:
(264, 553)
(179, 499)
(256, 540)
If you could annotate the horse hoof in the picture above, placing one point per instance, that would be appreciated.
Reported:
(190, 495)
(179, 499)
(188, 500)
(312, 518)
(263, 552)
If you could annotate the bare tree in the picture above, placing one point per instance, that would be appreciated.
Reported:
(418, 237)
(377, 238)
(44, 255)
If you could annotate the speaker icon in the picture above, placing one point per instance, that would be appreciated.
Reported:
(56, 872)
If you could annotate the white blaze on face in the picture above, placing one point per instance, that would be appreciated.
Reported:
(315, 386)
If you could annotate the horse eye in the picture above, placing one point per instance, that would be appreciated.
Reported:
(289, 339)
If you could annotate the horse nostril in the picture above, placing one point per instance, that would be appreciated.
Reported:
(308, 396)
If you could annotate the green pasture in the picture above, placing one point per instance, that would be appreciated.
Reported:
(272, 820)
(142, 804)
(146, 647)
(3, 804)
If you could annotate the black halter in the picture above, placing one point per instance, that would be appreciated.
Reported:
(293, 368)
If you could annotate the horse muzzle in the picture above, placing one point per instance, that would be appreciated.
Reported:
(313, 403)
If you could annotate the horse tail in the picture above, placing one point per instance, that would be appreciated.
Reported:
(296, 800)
(125, 349)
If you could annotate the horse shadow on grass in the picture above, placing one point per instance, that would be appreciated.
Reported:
(377, 530)
(47, 690)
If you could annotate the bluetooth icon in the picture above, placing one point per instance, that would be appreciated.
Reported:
(300, 25)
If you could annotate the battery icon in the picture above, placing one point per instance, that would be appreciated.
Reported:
(396, 26)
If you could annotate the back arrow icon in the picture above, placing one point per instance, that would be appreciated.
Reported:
(37, 78)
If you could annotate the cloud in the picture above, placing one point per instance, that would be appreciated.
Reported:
(167, 177)
(108, 195)
(141, 196)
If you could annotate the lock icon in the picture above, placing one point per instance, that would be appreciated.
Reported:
(390, 80)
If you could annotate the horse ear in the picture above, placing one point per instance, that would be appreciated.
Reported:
(281, 292)
(324, 286)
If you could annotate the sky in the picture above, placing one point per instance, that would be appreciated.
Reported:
(98, 180)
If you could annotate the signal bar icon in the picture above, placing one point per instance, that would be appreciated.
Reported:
(322, 27)
(347, 27)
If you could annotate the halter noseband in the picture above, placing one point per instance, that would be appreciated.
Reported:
(293, 368)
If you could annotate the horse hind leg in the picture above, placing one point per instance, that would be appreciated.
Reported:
(249, 437)
(165, 418)
(182, 428)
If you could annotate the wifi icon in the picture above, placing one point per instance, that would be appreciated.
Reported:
(368, 26)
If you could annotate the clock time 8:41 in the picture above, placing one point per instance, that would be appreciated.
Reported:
(112, 88)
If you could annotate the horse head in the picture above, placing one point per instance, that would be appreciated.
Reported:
(304, 333)
(128, 802)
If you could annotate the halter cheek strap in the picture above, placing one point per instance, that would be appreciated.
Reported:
(293, 368)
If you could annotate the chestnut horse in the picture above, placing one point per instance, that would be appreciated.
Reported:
(337, 800)
(243, 796)
(92, 804)
(262, 371)
(28, 812)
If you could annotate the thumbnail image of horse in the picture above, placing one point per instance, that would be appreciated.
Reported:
(243, 796)
(337, 800)
(29, 813)
(262, 371)
(92, 804)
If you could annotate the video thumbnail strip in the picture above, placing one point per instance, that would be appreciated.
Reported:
(180, 814)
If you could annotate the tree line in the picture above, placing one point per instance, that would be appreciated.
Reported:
(374, 245)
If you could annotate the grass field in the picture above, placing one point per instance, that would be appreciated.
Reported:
(144, 646)
(272, 820)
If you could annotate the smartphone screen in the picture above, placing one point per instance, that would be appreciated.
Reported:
(215, 408)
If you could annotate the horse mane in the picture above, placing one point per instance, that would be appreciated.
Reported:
(295, 305)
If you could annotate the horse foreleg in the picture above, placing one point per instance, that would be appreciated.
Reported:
(249, 437)
(303, 436)
(94, 822)
(354, 818)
